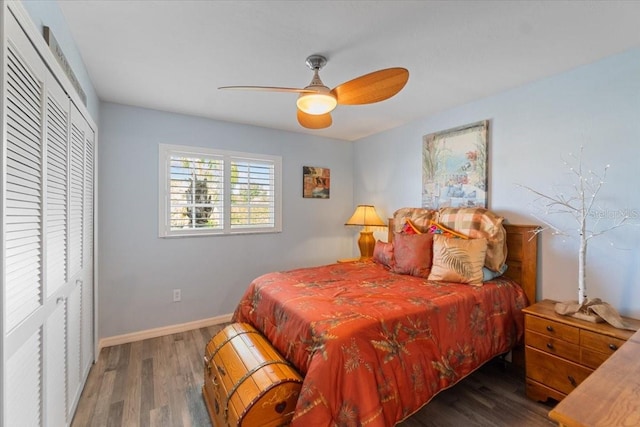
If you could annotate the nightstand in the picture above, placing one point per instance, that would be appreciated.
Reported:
(562, 351)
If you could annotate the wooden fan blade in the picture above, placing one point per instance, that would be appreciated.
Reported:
(372, 87)
(269, 89)
(312, 121)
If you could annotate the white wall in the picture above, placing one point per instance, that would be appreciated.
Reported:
(532, 128)
(138, 270)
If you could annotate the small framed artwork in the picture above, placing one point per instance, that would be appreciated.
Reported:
(316, 182)
(454, 167)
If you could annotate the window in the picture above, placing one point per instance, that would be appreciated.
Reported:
(205, 191)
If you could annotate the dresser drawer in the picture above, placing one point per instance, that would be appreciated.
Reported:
(591, 358)
(552, 329)
(553, 345)
(557, 373)
(600, 343)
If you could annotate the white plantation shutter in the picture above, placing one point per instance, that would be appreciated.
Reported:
(23, 233)
(207, 191)
(252, 194)
(195, 192)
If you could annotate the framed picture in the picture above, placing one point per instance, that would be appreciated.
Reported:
(454, 167)
(316, 182)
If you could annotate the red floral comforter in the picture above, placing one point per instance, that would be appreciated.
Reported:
(374, 346)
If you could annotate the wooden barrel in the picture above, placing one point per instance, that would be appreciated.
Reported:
(246, 381)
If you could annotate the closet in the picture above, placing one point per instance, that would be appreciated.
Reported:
(47, 200)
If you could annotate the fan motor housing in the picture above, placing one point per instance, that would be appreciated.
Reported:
(316, 62)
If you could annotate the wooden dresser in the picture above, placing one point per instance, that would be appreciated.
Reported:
(561, 351)
(609, 397)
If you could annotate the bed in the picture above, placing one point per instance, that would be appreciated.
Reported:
(375, 346)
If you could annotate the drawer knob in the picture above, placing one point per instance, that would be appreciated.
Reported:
(549, 328)
(613, 347)
(572, 381)
(550, 345)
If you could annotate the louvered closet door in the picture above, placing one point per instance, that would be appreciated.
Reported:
(23, 243)
(55, 236)
(47, 236)
(87, 315)
(80, 303)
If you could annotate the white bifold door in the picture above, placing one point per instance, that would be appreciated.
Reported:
(48, 150)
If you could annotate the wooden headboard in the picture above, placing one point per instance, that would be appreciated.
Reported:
(522, 256)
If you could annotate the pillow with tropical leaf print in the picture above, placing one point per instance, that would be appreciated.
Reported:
(458, 260)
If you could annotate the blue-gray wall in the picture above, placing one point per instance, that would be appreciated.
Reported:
(532, 129)
(138, 270)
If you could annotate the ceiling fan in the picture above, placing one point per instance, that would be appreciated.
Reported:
(316, 101)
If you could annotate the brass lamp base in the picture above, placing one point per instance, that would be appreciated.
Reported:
(366, 243)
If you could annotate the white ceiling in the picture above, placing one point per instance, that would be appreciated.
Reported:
(173, 55)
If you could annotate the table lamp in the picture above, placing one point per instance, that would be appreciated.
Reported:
(366, 216)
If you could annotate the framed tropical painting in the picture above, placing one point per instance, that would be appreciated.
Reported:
(454, 167)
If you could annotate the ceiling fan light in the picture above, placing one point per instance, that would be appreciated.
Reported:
(316, 103)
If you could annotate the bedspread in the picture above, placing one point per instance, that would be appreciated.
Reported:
(374, 346)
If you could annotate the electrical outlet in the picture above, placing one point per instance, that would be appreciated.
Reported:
(177, 295)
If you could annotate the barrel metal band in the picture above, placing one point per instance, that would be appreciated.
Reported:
(249, 373)
(229, 339)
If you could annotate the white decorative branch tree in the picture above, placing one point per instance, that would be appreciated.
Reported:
(580, 204)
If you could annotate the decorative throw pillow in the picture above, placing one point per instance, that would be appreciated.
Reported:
(435, 228)
(419, 217)
(475, 223)
(458, 260)
(490, 274)
(412, 254)
(383, 253)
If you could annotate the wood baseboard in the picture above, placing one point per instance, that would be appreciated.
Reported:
(159, 332)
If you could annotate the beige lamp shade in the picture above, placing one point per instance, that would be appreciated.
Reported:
(366, 216)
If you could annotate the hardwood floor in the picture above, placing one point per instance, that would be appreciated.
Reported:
(157, 382)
